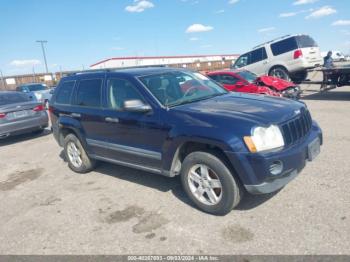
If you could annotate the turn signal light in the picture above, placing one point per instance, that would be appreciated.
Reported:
(250, 144)
(2, 115)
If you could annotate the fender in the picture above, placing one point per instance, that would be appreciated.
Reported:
(172, 147)
(67, 122)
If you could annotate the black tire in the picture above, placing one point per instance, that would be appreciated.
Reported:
(299, 77)
(231, 193)
(87, 164)
(280, 72)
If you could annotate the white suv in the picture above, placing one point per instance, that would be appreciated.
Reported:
(287, 57)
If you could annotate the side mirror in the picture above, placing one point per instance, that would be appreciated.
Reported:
(136, 105)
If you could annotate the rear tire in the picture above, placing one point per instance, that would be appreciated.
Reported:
(280, 72)
(78, 160)
(215, 191)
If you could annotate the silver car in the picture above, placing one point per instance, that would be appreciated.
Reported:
(37, 91)
(20, 114)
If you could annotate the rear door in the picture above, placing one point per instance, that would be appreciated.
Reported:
(87, 106)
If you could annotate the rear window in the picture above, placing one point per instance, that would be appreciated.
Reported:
(65, 93)
(284, 46)
(305, 41)
(89, 93)
(38, 87)
(8, 98)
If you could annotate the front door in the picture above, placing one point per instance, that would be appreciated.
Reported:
(133, 138)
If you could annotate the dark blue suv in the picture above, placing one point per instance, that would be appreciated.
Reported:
(178, 122)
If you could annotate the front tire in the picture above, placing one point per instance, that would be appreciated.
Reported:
(78, 160)
(209, 183)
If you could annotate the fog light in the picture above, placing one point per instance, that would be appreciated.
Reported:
(276, 168)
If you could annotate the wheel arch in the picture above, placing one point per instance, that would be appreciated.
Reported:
(189, 146)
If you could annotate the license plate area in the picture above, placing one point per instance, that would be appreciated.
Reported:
(18, 114)
(313, 149)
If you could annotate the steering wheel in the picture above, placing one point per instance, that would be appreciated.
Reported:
(190, 90)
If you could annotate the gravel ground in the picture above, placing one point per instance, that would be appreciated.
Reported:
(48, 209)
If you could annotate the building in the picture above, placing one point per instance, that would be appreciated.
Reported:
(198, 62)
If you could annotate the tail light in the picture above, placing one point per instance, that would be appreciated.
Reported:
(39, 108)
(2, 115)
(298, 54)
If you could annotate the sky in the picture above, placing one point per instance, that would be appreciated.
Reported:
(83, 32)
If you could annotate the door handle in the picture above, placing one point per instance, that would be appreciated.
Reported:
(112, 120)
(75, 115)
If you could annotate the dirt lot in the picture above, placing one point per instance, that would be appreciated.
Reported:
(47, 209)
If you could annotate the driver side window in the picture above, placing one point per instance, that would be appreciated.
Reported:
(243, 61)
(119, 91)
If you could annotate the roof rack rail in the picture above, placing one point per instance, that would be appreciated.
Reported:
(279, 38)
(105, 70)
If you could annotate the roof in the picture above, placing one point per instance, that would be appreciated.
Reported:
(134, 71)
(157, 57)
(32, 84)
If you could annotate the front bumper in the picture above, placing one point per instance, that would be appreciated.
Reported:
(21, 126)
(254, 169)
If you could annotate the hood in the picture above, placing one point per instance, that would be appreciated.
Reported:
(274, 82)
(259, 109)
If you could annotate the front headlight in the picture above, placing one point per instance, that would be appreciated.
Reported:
(263, 139)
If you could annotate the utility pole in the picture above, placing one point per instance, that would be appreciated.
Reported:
(3, 80)
(42, 42)
(34, 75)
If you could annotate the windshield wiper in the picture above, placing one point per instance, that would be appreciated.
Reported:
(195, 100)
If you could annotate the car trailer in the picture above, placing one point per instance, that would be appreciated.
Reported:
(332, 77)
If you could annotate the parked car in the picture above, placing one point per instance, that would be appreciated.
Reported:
(337, 56)
(248, 82)
(220, 143)
(20, 114)
(38, 91)
(287, 57)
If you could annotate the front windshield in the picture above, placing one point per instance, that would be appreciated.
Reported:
(247, 75)
(177, 87)
(36, 88)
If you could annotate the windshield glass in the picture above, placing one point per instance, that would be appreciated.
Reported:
(305, 41)
(8, 98)
(176, 88)
(36, 87)
(247, 75)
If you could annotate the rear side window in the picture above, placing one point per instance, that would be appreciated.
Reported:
(65, 93)
(284, 46)
(89, 93)
(8, 98)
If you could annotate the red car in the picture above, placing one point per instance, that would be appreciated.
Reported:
(247, 82)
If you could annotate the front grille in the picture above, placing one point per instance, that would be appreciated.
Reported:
(297, 128)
